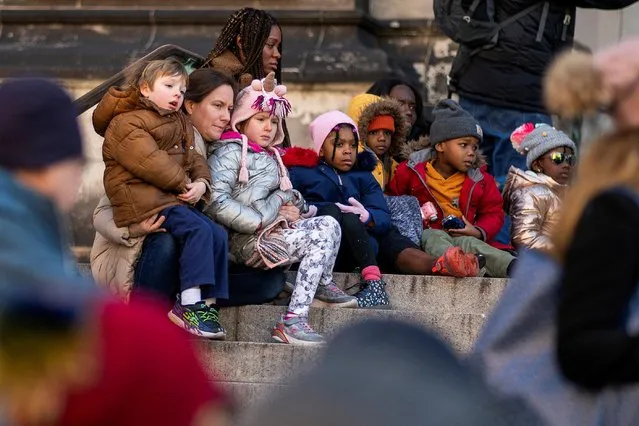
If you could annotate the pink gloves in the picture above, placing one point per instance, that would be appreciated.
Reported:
(356, 208)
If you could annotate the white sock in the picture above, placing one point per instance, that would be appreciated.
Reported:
(210, 301)
(191, 296)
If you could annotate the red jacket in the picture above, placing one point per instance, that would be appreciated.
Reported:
(480, 200)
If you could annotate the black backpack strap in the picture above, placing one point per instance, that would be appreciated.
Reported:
(518, 15)
(542, 22)
(469, 55)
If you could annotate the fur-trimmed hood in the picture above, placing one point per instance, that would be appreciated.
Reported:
(305, 157)
(385, 106)
(429, 154)
(412, 146)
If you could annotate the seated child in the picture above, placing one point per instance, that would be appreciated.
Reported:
(451, 177)
(533, 198)
(152, 168)
(335, 179)
(382, 129)
(254, 199)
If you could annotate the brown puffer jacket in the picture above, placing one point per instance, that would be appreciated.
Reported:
(149, 155)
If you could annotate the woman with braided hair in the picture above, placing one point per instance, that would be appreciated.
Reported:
(249, 46)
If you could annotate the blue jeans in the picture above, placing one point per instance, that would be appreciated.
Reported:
(157, 274)
(498, 123)
(157, 271)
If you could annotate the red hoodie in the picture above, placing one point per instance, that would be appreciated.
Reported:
(480, 200)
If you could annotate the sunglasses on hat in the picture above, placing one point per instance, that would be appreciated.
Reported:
(559, 158)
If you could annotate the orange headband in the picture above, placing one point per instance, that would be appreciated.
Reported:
(384, 122)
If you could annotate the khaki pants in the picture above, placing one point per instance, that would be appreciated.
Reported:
(435, 242)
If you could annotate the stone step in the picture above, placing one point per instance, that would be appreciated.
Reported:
(246, 396)
(433, 293)
(255, 323)
(426, 293)
(248, 362)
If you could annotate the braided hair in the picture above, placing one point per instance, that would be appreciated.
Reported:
(253, 26)
(336, 130)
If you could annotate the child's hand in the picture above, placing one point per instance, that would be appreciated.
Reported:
(290, 213)
(469, 230)
(194, 192)
(356, 208)
(147, 226)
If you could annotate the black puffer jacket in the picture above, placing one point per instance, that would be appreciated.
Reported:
(510, 74)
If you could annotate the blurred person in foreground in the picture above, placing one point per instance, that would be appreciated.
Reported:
(409, 378)
(62, 343)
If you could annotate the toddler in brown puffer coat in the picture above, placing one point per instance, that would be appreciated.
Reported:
(152, 168)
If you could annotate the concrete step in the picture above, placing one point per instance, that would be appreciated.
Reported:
(426, 293)
(432, 293)
(242, 362)
(255, 323)
(247, 396)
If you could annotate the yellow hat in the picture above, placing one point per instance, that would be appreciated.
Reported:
(359, 103)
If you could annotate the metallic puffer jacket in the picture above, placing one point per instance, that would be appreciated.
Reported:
(244, 209)
(533, 200)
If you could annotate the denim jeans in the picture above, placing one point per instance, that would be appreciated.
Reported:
(157, 271)
(498, 123)
(157, 274)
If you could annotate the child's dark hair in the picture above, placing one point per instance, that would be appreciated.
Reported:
(336, 129)
(205, 80)
(149, 72)
(253, 27)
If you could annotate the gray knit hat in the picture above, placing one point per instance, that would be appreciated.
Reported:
(534, 140)
(451, 121)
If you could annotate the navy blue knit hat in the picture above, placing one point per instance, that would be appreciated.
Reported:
(451, 121)
(38, 125)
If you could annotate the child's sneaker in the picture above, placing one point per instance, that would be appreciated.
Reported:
(328, 296)
(372, 293)
(296, 331)
(334, 297)
(456, 263)
(198, 319)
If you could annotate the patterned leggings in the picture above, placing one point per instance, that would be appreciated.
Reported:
(314, 243)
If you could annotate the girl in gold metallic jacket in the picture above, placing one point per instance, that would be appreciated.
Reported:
(533, 197)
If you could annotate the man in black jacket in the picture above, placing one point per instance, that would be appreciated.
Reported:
(502, 86)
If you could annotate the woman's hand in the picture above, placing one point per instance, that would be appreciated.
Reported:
(290, 213)
(147, 226)
(469, 230)
(194, 193)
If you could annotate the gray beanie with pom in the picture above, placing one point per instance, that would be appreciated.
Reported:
(534, 140)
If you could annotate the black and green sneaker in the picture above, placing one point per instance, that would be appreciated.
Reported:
(198, 319)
